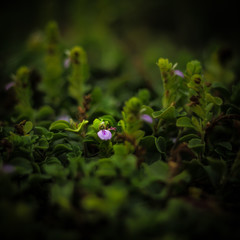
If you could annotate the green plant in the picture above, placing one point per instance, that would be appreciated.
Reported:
(119, 167)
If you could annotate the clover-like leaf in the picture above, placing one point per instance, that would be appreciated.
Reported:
(184, 122)
(166, 114)
(187, 137)
(27, 127)
(216, 100)
(160, 143)
(59, 125)
(196, 143)
(42, 144)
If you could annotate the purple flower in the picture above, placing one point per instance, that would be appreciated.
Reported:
(7, 168)
(146, 118)
(66, 63)
(9, 85)
(104, 135)
(179, 73)
(64, 117)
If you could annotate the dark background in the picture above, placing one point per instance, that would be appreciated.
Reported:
(193, 25)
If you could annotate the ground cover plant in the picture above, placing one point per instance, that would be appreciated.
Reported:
(110, 160)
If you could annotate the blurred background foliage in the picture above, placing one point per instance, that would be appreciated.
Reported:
(123, 39)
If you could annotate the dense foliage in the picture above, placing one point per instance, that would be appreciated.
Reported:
(110, 160)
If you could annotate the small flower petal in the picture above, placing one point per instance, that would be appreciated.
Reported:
(9, 85)
(66, 63)
(64, 117)
(179, 73)
(104, 135)
(7, 168)
(146, 118)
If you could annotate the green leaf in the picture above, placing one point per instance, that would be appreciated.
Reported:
(195, 143)
(144, 95)
(187, 137)
(59, 125)
(62, 194)
(164, 64)
(96, 95)
(58, 135)
(62, 148)
(79, 127)
(226, 145)
(146, 110)
(94, 203)
(122, 124)
(109, 119)
(184, 176)
(125, 163)
(75, 163)
(148, 143)
(42, 144)
(105, 168)
(120, 149)
(209, 107)
(197, 124)
(159, 170)
(216, 170)
(166, 114)
(138, 135)
(221, 87)
(199, 111)
(27, 127)
(54, 167)
(184, 122)
(160, 143)
(96, 124)
(53, 160)
(196, 170)
(44, 112)
(194, 67)
(216, 100)
(43, 131)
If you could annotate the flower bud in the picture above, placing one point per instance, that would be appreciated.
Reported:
(178, 73)
(146, 118)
